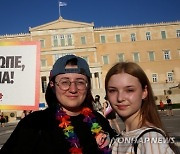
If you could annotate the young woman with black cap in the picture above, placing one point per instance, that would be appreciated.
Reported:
(69, 125)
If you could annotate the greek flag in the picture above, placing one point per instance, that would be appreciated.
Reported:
(62, 4)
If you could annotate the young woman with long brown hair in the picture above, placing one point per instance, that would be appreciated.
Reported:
(130, 94)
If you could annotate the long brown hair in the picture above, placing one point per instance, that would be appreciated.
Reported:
(148, 109)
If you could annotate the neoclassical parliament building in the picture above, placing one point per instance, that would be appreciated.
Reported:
(155, 47)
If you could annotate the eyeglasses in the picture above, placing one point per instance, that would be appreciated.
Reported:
(64, 84)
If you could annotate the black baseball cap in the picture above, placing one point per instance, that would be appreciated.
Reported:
(60, 64)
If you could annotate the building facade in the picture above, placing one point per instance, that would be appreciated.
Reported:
(155, 47)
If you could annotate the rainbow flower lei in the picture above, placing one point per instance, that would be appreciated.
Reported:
(71, 136)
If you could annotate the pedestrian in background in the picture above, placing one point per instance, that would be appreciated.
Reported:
(69, 125)
(2, 120)
(161, 105)
(130, 94)
(25, 113)
(97, 104)
(169, 106)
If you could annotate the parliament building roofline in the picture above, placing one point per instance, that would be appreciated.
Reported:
(95, 28)
(137, 25)
(14, 35)
(59, 21)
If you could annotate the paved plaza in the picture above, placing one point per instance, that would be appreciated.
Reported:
(171, 123)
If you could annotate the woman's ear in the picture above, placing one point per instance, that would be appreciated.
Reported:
(145, 92)
(51, 84)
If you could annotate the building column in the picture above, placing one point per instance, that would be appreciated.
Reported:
(93, 81)
(100, 80)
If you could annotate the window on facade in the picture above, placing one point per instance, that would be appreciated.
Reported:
(118, 38)
(151, 56)
(69, 37)
(105, 60)
(148, 36)
(43, 63)
(42, 42)
(154, 78)
(55, 40)
(62, 40)
(136, 57)
(167, 55)
(163, 34)
(103, 39)
(169, 76)
(121, 57)
(44, 83)
(178, 33)
(83, 40)
(133, 37)
(56, 56)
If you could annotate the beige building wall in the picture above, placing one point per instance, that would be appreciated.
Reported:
(142, 46)
(94, 51)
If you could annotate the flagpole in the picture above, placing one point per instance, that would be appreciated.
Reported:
(59, 10)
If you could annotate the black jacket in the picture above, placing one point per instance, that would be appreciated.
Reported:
(38, 133)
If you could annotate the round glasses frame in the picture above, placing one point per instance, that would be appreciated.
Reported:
(65, 84)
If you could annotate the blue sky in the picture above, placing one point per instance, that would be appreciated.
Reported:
(17, 16)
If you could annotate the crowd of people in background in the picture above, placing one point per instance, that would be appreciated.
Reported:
(25, 113)
(106, 110)
(168, 107)
(110, 114)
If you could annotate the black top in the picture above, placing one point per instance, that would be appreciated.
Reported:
(169, 102)
(38, 133)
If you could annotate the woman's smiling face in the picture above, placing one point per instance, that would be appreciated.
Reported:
(72, 98)
(125, 94)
